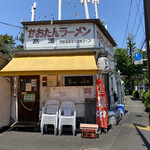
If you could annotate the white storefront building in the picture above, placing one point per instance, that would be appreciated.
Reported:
(61, 60)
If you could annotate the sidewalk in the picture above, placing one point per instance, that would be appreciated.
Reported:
(127, 135)
(134, 128)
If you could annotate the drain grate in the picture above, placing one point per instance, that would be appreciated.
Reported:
(90, 148)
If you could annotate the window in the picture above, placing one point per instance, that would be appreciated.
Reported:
(28, 84)
(79, 81)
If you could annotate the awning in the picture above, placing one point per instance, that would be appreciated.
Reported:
(52, 64)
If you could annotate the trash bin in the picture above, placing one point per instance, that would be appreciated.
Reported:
(121, 108)
(114, 117)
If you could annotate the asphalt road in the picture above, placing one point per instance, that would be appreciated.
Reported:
(132, 133)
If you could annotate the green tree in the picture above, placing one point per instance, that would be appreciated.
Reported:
(21, 39)
(125, 61)
(131, 45)
(122, 60)
(7, 44)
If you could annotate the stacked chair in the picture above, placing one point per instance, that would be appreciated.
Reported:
(67, 116)
(58, 115)
(50, 115)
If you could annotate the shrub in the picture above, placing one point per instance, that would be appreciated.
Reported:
(142, 95)
(146, 100)
(135, 94)
(146, 95)
(147, 104)
(128, 91)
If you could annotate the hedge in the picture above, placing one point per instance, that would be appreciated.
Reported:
(146, 100)
(135, 94)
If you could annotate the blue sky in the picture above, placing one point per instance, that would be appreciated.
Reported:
(114, 12)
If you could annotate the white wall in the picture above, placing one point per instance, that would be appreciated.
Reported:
(77, 94)
(5, 97)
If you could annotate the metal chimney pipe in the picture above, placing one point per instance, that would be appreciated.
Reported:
(96, 2)
(59, 9)
(86, 9)
(33, 11)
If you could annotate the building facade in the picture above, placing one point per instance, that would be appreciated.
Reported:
(5, 95)
(61, 60)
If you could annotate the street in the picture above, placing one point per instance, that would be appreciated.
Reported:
(132, 133)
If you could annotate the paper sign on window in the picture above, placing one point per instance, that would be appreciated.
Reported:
(28, 86)
(33, 82)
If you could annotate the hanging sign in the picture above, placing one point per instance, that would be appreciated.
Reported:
(101, 105)
(103, 64)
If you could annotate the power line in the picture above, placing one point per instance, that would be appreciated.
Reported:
(16, 38)
(11, 25)
(140, 22)
(138, 5)
(143, 43)
(127, 22)
(140, 14)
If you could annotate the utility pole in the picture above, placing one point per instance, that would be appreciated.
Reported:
(147, 29)
(86, 7)
(33, 11)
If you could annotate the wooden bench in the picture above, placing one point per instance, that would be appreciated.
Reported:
(88, 130)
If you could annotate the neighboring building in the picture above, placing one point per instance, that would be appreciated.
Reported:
(5, 95)
(61, 60)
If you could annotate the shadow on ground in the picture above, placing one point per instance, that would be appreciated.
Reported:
(146, 143)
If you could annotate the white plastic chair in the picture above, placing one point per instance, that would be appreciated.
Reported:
(67, 116)
(50, 115)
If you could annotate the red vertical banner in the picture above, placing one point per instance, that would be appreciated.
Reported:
(101, 105)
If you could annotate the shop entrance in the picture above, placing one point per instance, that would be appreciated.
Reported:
(28, 101)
